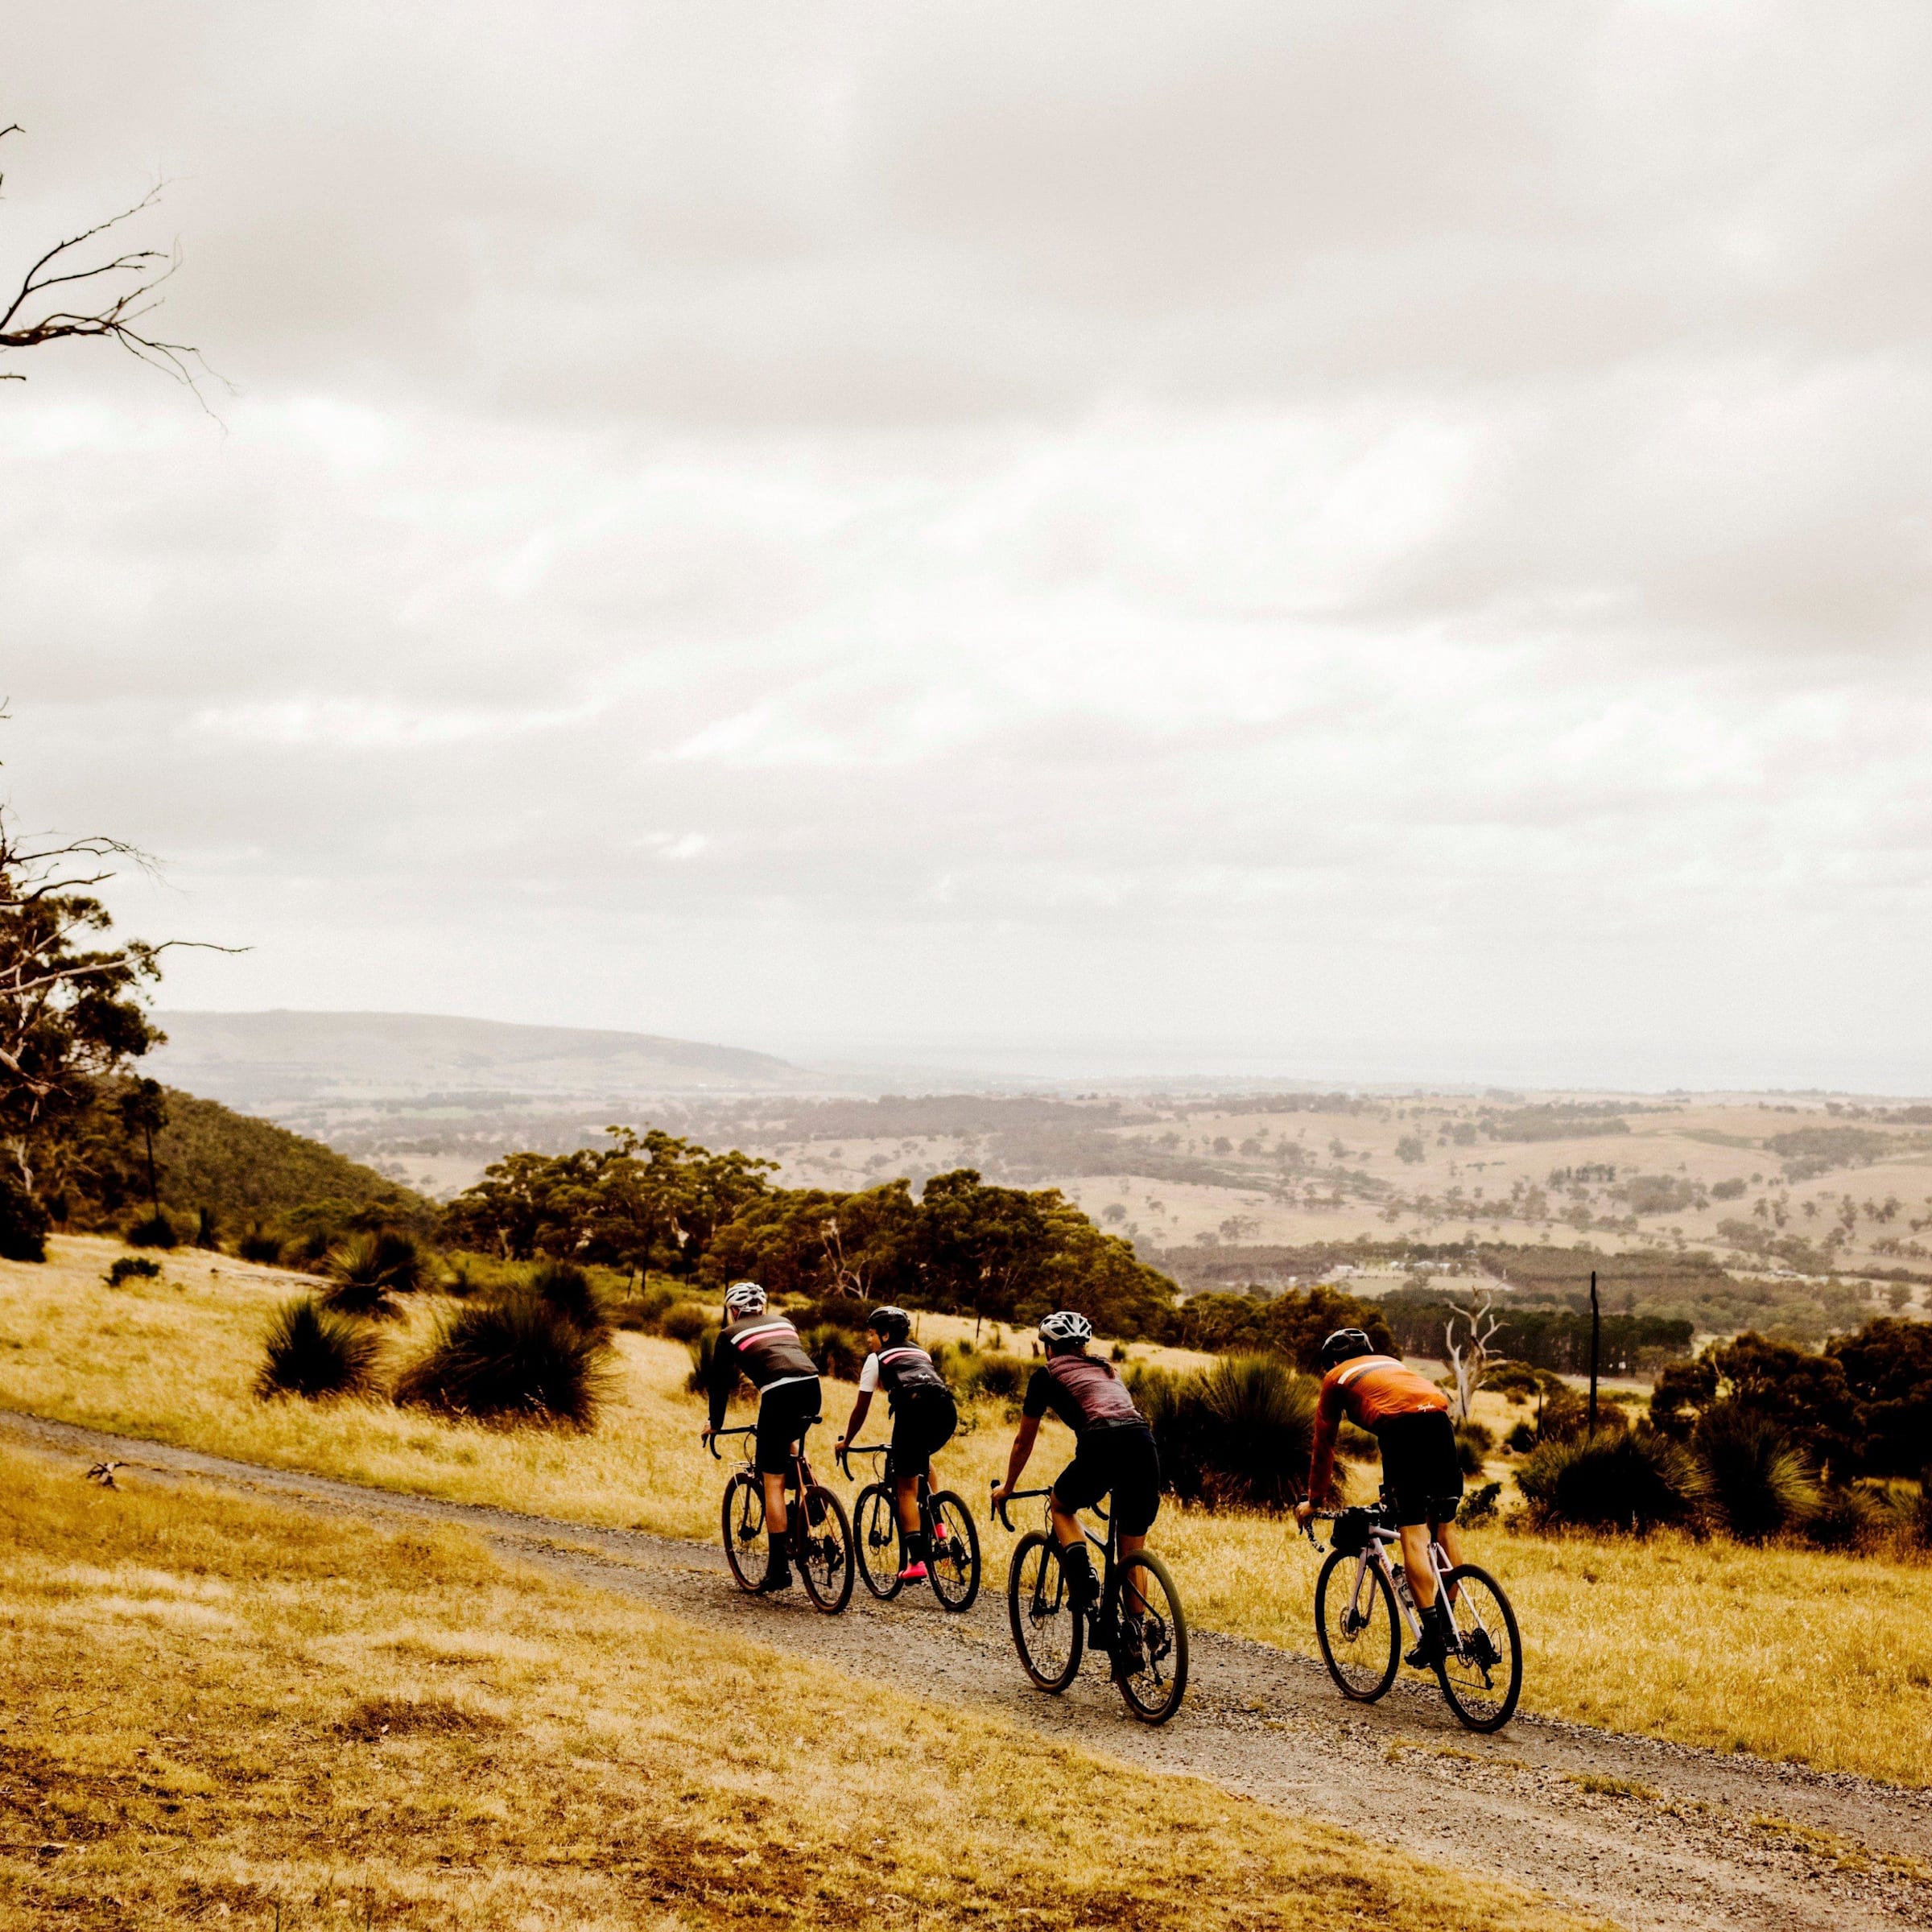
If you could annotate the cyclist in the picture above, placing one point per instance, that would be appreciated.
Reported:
(923, 1418)
(765, 1349)
(1113, 1449)
(1410, 1417)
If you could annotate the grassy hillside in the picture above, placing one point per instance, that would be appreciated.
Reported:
(248, 1169)
(221, 1711)
(1608, 1639)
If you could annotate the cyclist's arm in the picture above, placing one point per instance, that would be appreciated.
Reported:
(861, 1408)
(724, 1379)
(1023, 1439)
(1321, 1463)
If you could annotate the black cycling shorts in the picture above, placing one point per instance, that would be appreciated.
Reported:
(923, 1423)
(1118, 1459)
(782, 1414)
(1420, 1473)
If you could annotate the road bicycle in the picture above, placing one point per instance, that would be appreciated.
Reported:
(952, 1539)
(1137, 1624)
(818, 1537)
(1362, 1601)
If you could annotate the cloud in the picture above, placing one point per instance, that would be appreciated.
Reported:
(1234, 523)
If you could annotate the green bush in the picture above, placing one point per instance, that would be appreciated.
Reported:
(511, 1360)
(314, 1353)
(152, 1230)
(838, 1353)
(23, 1222)
(1237, 1435)
(704, 1352)
(569, 1290)
(1473, 1444)
(1631, 1480)
(367, 1272)
(1479, 1505)
(259, 1245)
(686, 1321)
(1520, 1439)
(1848, 1519)
(131, 1267)
(998, 1378)
(208, 1229)
(1756, 1482)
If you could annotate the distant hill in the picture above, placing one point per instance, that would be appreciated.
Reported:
(247, 1169)
(269, 1060)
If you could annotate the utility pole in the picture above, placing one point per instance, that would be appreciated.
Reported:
(1596, 1329)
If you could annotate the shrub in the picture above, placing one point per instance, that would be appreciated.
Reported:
(1520, 1439)
(645, 1309)
(836, 1351)
(998, 1377)
(152, 1230)
(569, 1290)
(1479, 1505)
(23, 1222)
(1756, 1482)
(258, 1244)
(703, 1351)
(131, 1267)
(1473, 1444)
(1633, 1480)
(514, 1359)
(1847, 1519)
(686, 1321)
(207, 1231)
(1237, 1435)
(367, 1272)
(313, 1353)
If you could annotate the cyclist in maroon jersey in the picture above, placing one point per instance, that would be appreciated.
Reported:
(1113, 1448)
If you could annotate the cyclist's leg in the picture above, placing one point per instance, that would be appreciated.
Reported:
(1136, 1499)
(1078, 1486)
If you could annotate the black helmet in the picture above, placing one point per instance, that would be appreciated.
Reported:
(891, 1324)
(1344, 1344)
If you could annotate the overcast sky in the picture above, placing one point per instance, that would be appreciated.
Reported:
(1335, 539)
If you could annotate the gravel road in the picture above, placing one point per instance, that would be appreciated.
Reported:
(1646, 1833)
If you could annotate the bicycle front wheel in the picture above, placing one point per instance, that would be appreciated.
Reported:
(876, 1531)
(1355, 1624)
(825, 1550)
(952, 1563)
(744, 1530)
(1150, 1650)
(1482, 1677)
(1047, 1630)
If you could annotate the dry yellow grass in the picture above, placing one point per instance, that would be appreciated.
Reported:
(1788, 1655)
(220, 1711)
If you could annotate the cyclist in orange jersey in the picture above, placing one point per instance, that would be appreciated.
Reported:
(1409, 1417)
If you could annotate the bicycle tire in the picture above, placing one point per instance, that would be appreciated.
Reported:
(743, 1523)
(875, 1531)
(1468, 1682)
(824, 1545)
(955, 1577)
(1044, 1625)
(1154, 1693)
(1363, 1667)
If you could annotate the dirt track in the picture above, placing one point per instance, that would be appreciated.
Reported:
(1646, 1833)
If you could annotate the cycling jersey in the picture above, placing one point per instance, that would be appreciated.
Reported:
(765, 1349)
(1370, 1389)
(1083, 1391)
(899, 1370)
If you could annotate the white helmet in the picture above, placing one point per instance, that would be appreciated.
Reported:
(1064, 1325)
(744, 1297)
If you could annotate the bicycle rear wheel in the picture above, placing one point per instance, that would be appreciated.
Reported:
(1355, 1623)
(825, 1550)
(875, 1534)
(1150, 1654)
(744, 1520)
(1483, 1677)
(1047, 1631)
(952, 1563)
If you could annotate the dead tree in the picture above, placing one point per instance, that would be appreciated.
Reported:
(79, 289)
(1469, 1357)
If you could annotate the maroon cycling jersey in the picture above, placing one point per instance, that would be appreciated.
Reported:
(1083, 1391)
(765, 1350)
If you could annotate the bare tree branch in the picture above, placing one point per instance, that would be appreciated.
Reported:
(126, 291)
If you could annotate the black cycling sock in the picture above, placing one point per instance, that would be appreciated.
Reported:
(775, 1541)
(1079, 1565)
(914, 1543)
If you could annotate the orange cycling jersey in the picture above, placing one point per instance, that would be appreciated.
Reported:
(1369, 1388)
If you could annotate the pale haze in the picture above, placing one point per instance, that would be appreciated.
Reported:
(1350, 542)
